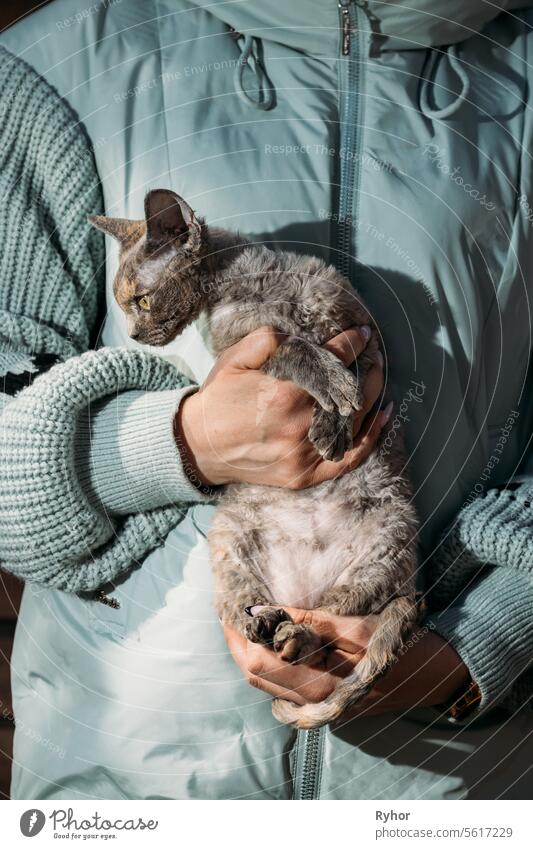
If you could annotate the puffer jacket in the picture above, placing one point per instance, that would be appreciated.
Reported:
(396, 143)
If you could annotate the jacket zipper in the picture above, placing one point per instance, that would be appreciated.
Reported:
(349, 73)
(346, 26)
(308, 762)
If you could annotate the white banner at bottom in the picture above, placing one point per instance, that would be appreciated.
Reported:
(232, 824)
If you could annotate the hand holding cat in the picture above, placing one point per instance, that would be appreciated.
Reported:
(245, 426)
(428, 672)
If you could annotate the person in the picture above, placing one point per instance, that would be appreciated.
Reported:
(390, 140)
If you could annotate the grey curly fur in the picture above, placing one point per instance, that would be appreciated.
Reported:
(347, 545)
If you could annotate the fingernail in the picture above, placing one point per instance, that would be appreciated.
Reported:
(365, 332)
(380, 359)
(386, 414)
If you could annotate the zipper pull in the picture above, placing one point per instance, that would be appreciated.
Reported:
(346, 26)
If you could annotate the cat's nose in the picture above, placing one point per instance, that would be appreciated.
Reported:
(134, 334)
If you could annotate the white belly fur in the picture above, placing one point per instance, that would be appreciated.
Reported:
(305, 552)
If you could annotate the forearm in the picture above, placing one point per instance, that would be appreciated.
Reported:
(481, 581)
(490, 625)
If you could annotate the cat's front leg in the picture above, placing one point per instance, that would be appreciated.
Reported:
(334, 387)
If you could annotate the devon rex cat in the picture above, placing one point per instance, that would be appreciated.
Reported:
(347, 545)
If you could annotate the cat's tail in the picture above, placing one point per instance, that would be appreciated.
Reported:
(315, 715)
(396, 622)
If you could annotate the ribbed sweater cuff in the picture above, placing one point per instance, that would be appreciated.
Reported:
(126, 454)
(490, 626)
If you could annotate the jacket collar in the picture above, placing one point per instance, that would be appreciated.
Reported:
(313, 26)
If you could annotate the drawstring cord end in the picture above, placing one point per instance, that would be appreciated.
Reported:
(266, 95)
(427, 82)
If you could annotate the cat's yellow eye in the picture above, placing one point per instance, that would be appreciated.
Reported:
(144, 302)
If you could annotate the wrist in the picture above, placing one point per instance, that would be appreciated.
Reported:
(193, 444)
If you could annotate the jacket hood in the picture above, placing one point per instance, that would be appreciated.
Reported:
(313, 25)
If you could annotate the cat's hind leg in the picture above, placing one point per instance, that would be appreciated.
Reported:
(241, 598)
(264, 624)
(298, 644)
(273, 626)
(237, 589)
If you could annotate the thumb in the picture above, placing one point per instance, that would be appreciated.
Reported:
(254, 350)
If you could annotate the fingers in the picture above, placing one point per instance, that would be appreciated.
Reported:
(342, 663)
(299, 682)
(254, 350)
(259, 664)
(324, 624)
(264, 670)
(366, 440)
(372, 391)
(349, 344)
(346, 633)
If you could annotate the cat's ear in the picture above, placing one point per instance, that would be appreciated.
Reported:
(123, 230)
(168, 219)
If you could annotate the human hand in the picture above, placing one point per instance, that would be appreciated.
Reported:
(245, 426)
(427, 672)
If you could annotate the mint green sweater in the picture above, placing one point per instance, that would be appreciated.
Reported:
(90, 477)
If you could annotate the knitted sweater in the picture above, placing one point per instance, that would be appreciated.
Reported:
(54, 527)
(90, 478)
(51, 261)
(481, 575)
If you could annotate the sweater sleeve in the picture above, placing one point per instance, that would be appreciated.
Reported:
(490, 625)
(126, 456)
(53, 531)
(481, 589)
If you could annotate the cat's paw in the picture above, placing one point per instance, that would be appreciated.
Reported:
(342, 390)
(331, 433)
(297, 643)
(262, 627)
(333, 385)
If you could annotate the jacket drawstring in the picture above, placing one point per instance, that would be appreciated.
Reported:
(428, 77)
(266, 97)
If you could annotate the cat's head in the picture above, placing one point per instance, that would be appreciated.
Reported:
(157, 283)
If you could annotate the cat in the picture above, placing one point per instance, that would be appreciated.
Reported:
(347, 545)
